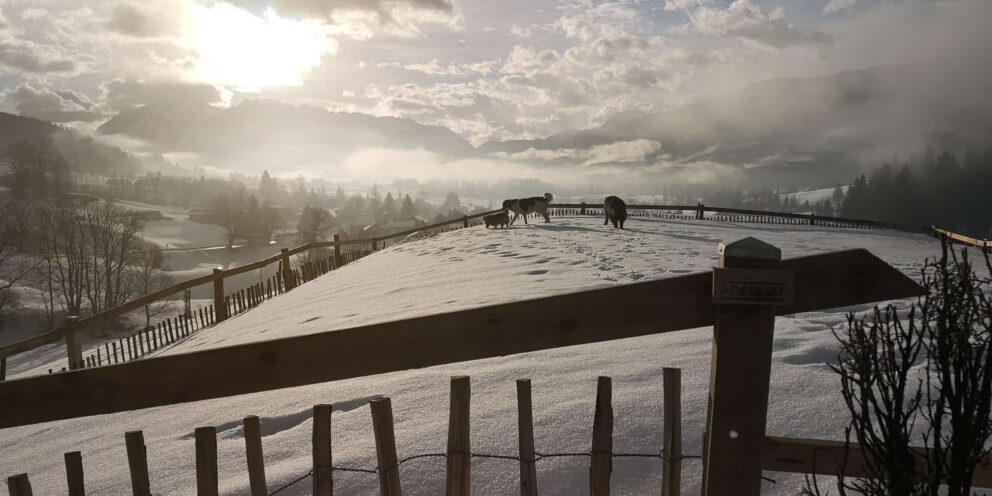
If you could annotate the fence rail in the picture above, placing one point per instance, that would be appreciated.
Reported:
(699, 212)
(984, 244)
(241, 299)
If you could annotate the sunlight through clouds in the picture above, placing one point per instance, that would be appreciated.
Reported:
(237, 48)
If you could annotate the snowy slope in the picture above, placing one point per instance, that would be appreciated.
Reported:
(458, 270)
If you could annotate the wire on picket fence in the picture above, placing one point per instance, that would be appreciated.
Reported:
(537, 456)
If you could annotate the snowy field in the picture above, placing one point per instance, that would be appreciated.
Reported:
(464, 269)
(813, 196)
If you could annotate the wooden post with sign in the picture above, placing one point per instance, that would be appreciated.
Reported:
(746, 287)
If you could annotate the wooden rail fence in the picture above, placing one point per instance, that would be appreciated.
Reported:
(982, 244)
(736, 448)
(704, 212)
(170, 330)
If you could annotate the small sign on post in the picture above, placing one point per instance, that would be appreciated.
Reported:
(753, 286)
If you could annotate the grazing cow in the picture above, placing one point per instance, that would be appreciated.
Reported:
(526, 206)
(498, 219)
(615, 210)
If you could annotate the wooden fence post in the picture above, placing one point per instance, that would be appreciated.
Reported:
(464, 221)
(671, 468)
(3, 369)
(739, 376)
(525, 423)
(375, 244)
(137, 460)
(287, 271)
(206, 461)
(582, 210)
(338, 262)
(74, 474)
(459, 439)
(385, 447)
(73, 348)
(19, 485)
(602, 440)
(219, 295)
(253, 452)
(323, 481)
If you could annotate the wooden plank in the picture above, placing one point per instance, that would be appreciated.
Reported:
(206, 461)
(459, 466)
(253, 454)
(960, 238)
(823, 457)
(385, 447)
(671, 468)
(323, 482)
(31, 343)
(137, 461)
(19, 485)
(601, 463)
(74, 473)
(525, 425)
(822, 281)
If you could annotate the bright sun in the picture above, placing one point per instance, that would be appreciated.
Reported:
(237, 48)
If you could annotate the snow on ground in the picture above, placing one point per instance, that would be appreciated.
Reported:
(814, 196)
(463, 269)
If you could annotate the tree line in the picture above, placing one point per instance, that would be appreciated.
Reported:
(257, 214)
(935, 189)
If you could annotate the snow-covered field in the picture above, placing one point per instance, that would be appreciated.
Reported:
(814, 196)
(464, 269)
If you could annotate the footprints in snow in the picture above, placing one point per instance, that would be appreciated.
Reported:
(534, 273)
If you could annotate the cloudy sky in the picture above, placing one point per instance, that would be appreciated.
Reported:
(487, 70)
(523, 69)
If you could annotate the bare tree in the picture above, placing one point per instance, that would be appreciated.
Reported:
(68, 255)
(229, 213)
(313, 221)
(150, 276)
(112, 233)
(15, 224)
(37, 168)
(957, 321)
(927, 374)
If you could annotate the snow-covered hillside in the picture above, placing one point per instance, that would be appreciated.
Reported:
(464, 269)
